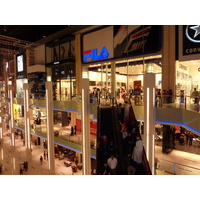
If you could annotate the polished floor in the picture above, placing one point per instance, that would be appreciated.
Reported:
(177, 162)
(12, 157)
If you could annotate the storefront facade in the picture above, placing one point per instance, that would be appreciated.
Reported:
(115, 58)
(188, 64)
(60, 67)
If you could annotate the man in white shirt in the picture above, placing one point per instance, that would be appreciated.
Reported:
(112, 163)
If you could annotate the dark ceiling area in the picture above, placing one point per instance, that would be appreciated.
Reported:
(19, 37)
(30, 33)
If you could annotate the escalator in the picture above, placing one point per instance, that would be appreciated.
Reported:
(108, 127)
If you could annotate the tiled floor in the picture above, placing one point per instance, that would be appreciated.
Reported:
(12, 157)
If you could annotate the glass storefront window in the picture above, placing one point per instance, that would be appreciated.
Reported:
(60, 50)
(128, 75)
(187, 76)
(64, 80)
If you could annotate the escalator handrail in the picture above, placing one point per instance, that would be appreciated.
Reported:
(118, 139)
(144, 158)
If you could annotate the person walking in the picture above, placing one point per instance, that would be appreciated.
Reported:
(20, 169)
(112, 164)
(41, 160)
(44, 155)
(26, 165)
(190, 139)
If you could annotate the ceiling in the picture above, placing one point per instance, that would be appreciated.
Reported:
(31, 33)
(15, 38)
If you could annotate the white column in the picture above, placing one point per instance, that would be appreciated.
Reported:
(86, 127)
(11, 120)
(113, 80)
(50, 132)
(27, 120)
(149, 118)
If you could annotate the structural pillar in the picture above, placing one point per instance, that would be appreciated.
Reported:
(11, 117)
(113, 80)
(50, 132)
(168, 58)
(1, 127)
(86, 127)
(27, 120)
(78, 63)
(149, 118)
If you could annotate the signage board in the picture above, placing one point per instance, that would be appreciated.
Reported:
(189, 42)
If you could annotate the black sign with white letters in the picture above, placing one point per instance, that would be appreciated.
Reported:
(191, 39)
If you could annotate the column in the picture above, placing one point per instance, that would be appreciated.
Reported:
(78, 63)
(149, 118)
(113, 80)
(168, 58)
(1, 126)
(1, 130)
(11, 116)
(50, 132)
(27, 132)
(86, 127)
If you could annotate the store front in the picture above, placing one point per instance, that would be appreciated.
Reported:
(188, 64)
(60, 68)
(116, 62)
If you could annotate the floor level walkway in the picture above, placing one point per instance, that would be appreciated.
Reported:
(12, 157)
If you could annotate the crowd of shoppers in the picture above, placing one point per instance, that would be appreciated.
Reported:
(131, 142)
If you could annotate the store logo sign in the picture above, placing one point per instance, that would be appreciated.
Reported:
(193, 33)
(94, 55)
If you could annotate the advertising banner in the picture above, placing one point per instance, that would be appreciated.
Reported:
(93, 126)
(136, 40)
(37, 82)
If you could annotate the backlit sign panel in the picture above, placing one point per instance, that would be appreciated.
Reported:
(94, 55)
(20, 66)
(189, 42)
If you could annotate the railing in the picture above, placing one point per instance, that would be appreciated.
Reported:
(171, 101)
(168, 167)
(61, 133)
(57, 97)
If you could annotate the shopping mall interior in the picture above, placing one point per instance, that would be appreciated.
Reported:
(71, 138)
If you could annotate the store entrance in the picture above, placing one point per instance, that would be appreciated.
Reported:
(128, 77)
(188, 77)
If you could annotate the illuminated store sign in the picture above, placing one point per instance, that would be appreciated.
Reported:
(20, 65)
(193, 35)
(94, 55)
(191, 39)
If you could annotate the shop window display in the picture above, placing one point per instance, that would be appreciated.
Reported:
(128, 74)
